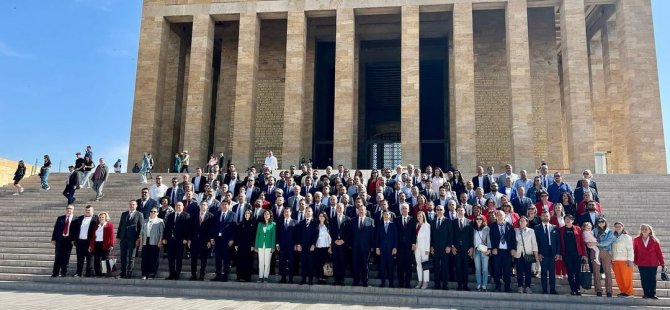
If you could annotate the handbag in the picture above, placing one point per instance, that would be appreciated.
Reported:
(664, 274)
(529, 258)
(108, 266)
(328, 269)
(482, 247)
(427, 265)
(585, 276)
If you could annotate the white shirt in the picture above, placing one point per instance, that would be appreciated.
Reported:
(271, 162)
(149, 224)
(99, 233)
(83, 232)
(157, 191)
(324, 237)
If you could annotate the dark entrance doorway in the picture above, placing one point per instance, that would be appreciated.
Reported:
(434, 107)
(324, 108)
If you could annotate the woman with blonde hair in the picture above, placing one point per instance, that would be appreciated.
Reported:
(622, 260)
(648, 256)
(102, 243)
(422, 249)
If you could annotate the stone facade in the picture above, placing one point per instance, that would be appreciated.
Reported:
(526, 81)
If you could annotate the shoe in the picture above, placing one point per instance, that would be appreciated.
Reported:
(21, 190)
(578, 294)
(622, 295)
(419, 285)
(217, 278)
(653, 297)
(521, 290)
(193, 278)
(144, 278)
(556, 293)
(48, 188)
(609, 294)
(599, 294)
(528, 291)
(310, 283)
(382, 285)
(424, 286)
(15, 194)
(201, 278)
(54, 275)
(282, 281)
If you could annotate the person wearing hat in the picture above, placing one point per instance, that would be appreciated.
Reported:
(71, 185)
(185, 161)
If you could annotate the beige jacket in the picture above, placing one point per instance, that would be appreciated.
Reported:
(622, 248)
(528, 240)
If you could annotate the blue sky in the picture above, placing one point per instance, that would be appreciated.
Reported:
(67, 75)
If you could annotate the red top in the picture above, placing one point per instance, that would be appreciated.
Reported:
(540, 207)
(423, 207)
(515, 219)
(650, 255)
(372, 185)
(581, 247)
(107, 236)
(581, 208)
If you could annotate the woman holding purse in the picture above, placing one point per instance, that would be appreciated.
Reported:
(150, 240)
(101, 244)
(265, 244)
(648, 256)
(526, 255)
(482, 251)
(322, 247)
(422, 249)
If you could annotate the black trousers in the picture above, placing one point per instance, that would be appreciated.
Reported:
(286, 263)
(573, 264)
(548, 270)
(648, 280)
(199, 252)
(461, 263)
(441, 268)
(221, 258)
(62, 257)
(386, 266)
(83, 255)
(99, 258)
(524, 273)
(69, 193)
(307, 264)
(149, 260)
(245, 259)
(175, 257)
(405, 258)
(361, 257)
(501, 269)
(339, 262)
(321, 256)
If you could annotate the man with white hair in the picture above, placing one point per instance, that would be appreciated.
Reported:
(271, 161)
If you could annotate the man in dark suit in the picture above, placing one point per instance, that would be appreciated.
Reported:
(82, 230)
(286, 244)
(591, 215)
(222, 237)
(428, 191)
(128, 234)
(269, 189)
(463, 247)
(339, 234)
(240, 207)
(250, 191)
(71, 185)
(174, 193)
(481, 180)
(406, 226)
(308, 188)
(585, 188)
(145, 203)
(379, 215)
(547, 249)
(308, 233)
(441, 242)
(175, 236)
(362, 238)
(60, 238)
(387, 246)
(199, 181)
(521, 203)
(503, 247)
(200, 241)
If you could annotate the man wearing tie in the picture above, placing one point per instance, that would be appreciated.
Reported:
(222, 238)
(362, 241)
(308, 233)
(387, 246)
(521, 203)
(175, 193)
(545, 178)
(278, 208)
(547, 248)
(463, 247)
(128, 234)
(503, 247)
(406, 226)
(441, 239)
(60, 238)
(295, 198)
(200, 241)
(339, 234)
(286, 244)
(175, 236)
(240, 208)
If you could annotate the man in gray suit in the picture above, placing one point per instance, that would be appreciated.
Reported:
(128, 234)
(295, 198)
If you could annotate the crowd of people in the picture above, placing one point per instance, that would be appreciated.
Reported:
(320, 225)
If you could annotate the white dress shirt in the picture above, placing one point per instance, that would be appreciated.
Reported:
(83, 232)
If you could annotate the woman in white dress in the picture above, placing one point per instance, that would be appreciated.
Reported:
(422, 249)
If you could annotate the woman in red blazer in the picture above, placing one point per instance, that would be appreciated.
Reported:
(101, 242)
(544, 205)
(573, 252)
(510, 216)
(648, 256)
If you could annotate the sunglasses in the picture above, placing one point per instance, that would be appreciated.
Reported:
(153, 211)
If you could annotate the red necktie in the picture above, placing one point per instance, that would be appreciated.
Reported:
(66, 229)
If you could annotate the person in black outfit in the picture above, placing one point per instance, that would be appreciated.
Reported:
(441, 239)
(72, 185)
(176, 236)
(308, 233)
(200, 241)
(463, 247)
(60, 238)
(82, 231)
(339, 234)
(503, 245)
(244, 245)
(406, 228)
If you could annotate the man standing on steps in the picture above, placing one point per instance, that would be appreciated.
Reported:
(128, 234)
(60, 238)
(71, 185)
(406, 227)
(81, 230)
(223, 236)
(175, 236)
(199, 241)
(99, 179)
(548, 249)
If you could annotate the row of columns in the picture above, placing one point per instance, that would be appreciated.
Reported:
(577, 100)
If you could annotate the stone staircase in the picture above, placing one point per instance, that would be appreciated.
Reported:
(26, 255)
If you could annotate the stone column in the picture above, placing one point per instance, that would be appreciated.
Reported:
(521, 102)
(409, 86)
(344, 134)
(294, 88)
(464, 88)
(245, 90)
(617, 160)
(601, 108)
(576, 89)
(199, 96)
(149, 86)
(640, 91)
